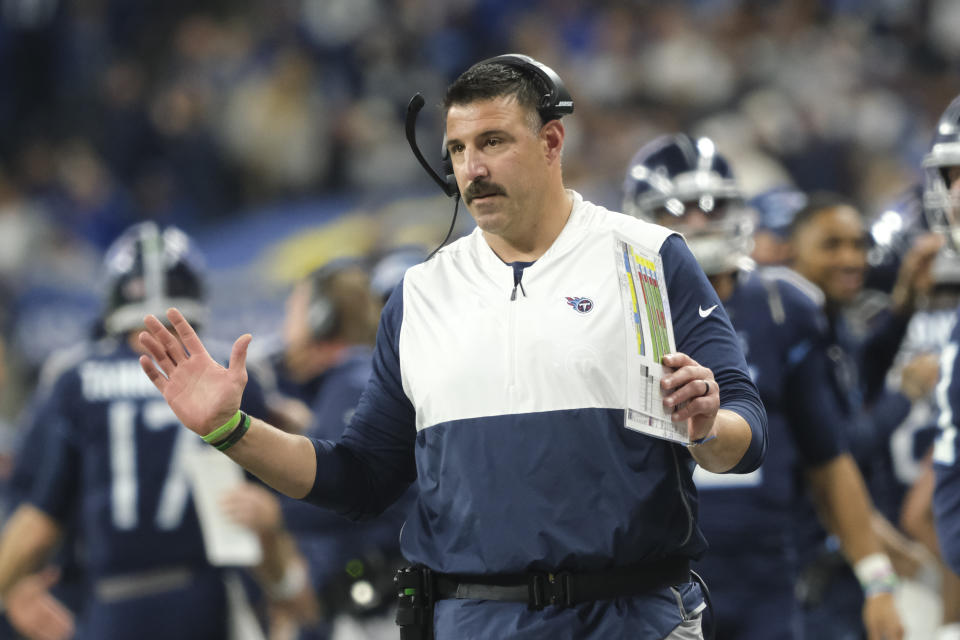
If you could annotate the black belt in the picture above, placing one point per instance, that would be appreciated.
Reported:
(564, 589)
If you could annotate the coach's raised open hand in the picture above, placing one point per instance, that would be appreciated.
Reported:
(202, 393)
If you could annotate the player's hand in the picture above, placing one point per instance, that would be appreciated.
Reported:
(920, 375)
(35, 613)
(914, 277)
(202, 394)
(881, 619)
(253, 507)
(691, 393)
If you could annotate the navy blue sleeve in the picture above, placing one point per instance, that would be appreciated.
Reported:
(711, 341)
(373, 462)
(28, 450)
(813, 417)
(887, 412)
(812, 408)
(56, 480)
(946, 495)
(878, 350)
(946, 512)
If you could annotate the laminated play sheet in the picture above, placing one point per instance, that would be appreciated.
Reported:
(227, 543)
(649, 327)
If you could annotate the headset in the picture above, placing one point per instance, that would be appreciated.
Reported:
(553, 105)
(323, 314)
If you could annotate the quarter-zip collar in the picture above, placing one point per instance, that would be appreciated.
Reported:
(502, 273)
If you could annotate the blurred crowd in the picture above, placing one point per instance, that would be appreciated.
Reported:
(193, 113)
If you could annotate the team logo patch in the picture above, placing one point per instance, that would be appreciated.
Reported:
(580, 305)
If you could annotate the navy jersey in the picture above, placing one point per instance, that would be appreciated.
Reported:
(946, 463)
(32, 429)
(859, 365)
(900, 463)
(31, 445)
(509, 411)
(868, 413)
(115, 453)
(783, 336)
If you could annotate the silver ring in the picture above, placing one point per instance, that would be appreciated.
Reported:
(706, 390)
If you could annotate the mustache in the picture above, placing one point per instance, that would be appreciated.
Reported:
(480, 189)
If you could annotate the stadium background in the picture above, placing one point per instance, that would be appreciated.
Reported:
(272, 131)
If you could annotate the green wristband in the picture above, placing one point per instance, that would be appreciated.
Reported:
(222, 430)
(235, 436)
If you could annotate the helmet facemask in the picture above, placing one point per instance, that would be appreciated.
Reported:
(941, 204)
(147, 271)
(718, 231)
(687, 186)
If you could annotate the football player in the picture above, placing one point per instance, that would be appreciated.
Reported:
(829, 248)
(114, 464)
(751, 565)
(942, 205)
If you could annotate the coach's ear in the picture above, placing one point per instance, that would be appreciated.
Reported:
(552, 135)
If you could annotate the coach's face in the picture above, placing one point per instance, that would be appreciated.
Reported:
(500, 159)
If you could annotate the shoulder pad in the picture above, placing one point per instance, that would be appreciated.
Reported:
(791, 277)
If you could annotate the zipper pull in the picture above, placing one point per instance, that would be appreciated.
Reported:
(517, 276)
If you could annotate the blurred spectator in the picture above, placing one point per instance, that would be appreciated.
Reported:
(273, 129)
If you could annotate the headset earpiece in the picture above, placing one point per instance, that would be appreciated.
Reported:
(323, 314)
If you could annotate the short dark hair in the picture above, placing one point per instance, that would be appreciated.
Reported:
(817, 202)
(486, 81)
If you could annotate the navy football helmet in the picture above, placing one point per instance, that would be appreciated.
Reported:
(147, 270)
(894, 231)
(941, 208)
(688, 186)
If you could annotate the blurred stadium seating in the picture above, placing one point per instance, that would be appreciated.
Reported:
(272, 130)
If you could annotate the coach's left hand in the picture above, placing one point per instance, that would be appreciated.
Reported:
(693, 384)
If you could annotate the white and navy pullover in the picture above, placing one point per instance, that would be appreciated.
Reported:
(508, 410)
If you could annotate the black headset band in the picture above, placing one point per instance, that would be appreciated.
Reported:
(557, 102)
